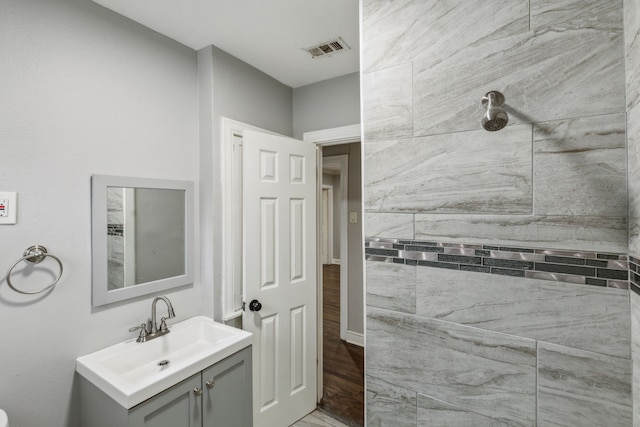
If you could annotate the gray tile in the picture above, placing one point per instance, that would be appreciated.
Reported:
(484, 372)
(387, 104)
(435, 413)
(605, 234)
(576, 14)
(391, 286)
(398, 31)
(546, 76)
(389, 405)
(398, 226)
(633, 143)
(581, 388)
(585, 317)
(318, 419)
(580, 166)
(472, 172)
(632, 49)
(635, 354)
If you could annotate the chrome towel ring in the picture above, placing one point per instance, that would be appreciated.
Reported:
(34, 254)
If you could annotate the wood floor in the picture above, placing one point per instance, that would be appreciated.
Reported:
(343, 396)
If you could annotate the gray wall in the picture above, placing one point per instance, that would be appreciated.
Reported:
(470, 348)
(84, 91)
(327, 104)
(632, 50)
(233, 89)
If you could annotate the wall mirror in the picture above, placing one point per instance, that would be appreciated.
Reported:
(142, 236)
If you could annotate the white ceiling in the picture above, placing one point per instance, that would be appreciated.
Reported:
(268, 34)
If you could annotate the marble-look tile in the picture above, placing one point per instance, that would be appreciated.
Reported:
(469, 172)
(580, 167)
(635, 355)
(544, 76)
(633, 146)
(484, 372)
(387, 105)
(585, 317)
(389, 405)
(603, 234)
(402, 30)
(318, 419)
(390, 225)
(115, 205)
(391, 286)
(435, 413)
(574, 14)
(581, 388)
(634, 235)
(632, 50)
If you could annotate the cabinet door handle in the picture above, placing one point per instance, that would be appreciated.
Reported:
(197, 391)
(210, 384)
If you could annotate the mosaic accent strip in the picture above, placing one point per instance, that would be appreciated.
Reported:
(578, 267)
(634, 274)
(115, 229)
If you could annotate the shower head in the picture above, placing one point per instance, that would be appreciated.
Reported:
(495, 118)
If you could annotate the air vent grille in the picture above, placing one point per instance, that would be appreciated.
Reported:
(327, 48)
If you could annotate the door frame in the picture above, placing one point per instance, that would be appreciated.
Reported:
(231, 130)
(324, 138)
(329, 224)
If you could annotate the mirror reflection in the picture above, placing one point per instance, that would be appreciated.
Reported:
(142, 234)
(145, 235)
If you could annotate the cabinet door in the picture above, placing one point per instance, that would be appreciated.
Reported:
(227, 399)
(175, 407)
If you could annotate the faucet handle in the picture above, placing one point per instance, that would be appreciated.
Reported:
(143, 332)
(163, 325)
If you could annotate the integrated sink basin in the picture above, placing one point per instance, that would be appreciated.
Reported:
(132, 372)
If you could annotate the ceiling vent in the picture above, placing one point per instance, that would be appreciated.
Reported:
(328, 48)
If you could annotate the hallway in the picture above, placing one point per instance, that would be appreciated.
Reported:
(343, 373)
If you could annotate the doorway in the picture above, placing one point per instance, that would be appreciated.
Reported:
(342, 392)
(232, 292)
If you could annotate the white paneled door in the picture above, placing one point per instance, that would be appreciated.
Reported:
(279, 191)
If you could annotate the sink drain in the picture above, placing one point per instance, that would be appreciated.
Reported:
(163, 363)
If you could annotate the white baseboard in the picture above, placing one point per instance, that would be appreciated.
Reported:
(335, 261)
(355, 338)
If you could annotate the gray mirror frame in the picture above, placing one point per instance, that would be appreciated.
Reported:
(100, 293)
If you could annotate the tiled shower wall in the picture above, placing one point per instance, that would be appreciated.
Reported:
(632, 53)
(463, 348)
(115, 237)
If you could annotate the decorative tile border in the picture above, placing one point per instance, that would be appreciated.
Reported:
(115, 230)
(634, 274)
(579, 267)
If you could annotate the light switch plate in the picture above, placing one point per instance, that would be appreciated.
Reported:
(353, 217)
(8, 207)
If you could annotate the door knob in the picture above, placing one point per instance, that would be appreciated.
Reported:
(255, 305)
(210, 384)
(197, 391)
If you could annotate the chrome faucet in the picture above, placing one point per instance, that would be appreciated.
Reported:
(154, 331)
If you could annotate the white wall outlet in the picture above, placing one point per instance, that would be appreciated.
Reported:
(353, 217)
(8, 208)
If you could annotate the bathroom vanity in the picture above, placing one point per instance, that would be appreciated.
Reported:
(199, 375)
(217, 396)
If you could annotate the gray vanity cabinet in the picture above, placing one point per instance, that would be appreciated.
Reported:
(177, 406)
(227, 399)
(219, 396)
